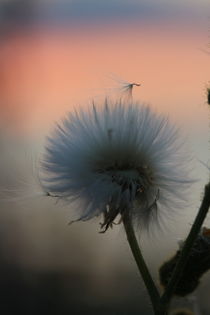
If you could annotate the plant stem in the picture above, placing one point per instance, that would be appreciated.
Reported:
(149, 283)
(187, 247)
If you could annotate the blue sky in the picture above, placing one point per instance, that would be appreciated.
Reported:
(102, 11)
(106, 10)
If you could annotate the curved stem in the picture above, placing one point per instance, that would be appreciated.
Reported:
(149, 283)
(187, 246)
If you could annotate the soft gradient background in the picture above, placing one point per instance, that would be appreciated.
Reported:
(58, 55)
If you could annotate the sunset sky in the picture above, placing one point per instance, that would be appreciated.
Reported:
(66, 53)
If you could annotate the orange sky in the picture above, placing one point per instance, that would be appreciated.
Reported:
(45, 74)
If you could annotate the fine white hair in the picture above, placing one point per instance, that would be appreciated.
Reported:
(117, 157)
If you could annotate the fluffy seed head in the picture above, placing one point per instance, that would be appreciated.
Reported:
(116, 158)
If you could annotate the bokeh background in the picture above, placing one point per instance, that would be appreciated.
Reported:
(59, 55)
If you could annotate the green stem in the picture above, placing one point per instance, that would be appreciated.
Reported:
(149, 283)
(187, 247)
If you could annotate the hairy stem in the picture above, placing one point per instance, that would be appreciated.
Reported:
(149, 283)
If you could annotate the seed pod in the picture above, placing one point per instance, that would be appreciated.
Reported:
(208, 96)
(198, 263)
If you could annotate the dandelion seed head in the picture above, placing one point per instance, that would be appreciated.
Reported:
(116, 158)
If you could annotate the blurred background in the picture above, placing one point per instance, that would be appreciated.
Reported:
(56, 56)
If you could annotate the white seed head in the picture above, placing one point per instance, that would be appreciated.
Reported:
(115, 158)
